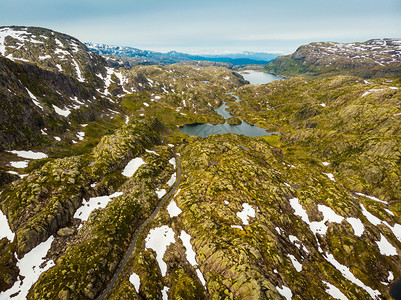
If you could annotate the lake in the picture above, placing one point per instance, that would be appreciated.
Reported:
(204, 130)
(255, 77)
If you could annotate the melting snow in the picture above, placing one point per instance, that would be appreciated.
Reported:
(158, 239)
(29, 154)
(57, 138)
(5, 230)
(396, 229)
(348, 274)
(385, 247)
(371, 197)
(44, 57)
(322, 105)
(31, 266)
(334, 291)
(389, 212)
(61, 112)
(328, 216)
(93, 203)
(371, 218)
(325, 163)
(81, 135)
(285, 292)
(295, 263)
(331, 176)
(164, 293)
(79, 74)
(150, 151)
(173, 209)
(160, 193)
(200, 276)
(248, 211)
(172, 180)
(370, 91)
(136, 281)
(19, 164)
(190, 253)
(172, 161)
(34, 99)
(357, 225)
(132, 166)
(293, 239)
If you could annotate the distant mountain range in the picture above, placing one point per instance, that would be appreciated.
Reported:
(138, 56)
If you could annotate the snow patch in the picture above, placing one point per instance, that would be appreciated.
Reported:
(158, 239)
(164, 293)
(34, 99)
(295, 263)
(61, 112)
(31, 266)
(190, 253)
(173, 209)
(29, 154)
(173, 162)
(80, 135)
(201, 278)
(19, 164)
(331, 176)
(94, 203)
(357, 225)
(371, 218)
(5, 230)
(371, 197)
(385, 247)
(133, 166)
(285, 292)
(334, 291)
(247, 212)
(79, 74)
(45, 57)
(135, 281)
(160, 193)
(348, 275)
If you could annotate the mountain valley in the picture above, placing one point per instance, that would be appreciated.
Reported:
(96, 178)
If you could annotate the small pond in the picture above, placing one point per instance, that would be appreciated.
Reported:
(204, 130)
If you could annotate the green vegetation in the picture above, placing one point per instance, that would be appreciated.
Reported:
(340, 136)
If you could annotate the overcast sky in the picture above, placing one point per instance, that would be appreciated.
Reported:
(210, 26)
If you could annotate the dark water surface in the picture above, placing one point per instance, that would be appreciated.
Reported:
(204, 130)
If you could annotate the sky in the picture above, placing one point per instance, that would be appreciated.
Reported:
(210, 27)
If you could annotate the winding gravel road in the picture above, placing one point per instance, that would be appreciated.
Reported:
(131, 248)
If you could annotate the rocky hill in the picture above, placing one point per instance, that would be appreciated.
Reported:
(373, 58)
(101, 192)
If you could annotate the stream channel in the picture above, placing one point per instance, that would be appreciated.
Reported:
(206, 129)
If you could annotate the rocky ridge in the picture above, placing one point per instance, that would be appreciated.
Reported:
(373, 58)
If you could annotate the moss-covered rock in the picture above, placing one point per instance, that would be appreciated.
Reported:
(234, 121)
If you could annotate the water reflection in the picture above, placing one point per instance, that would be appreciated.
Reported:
(204, 130)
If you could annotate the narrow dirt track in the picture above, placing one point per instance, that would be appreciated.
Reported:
(132, 246)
